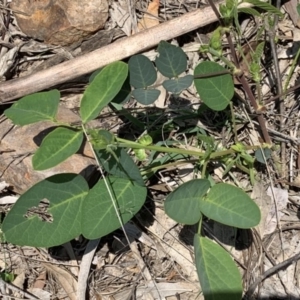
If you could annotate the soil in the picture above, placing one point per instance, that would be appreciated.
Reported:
(158, 245)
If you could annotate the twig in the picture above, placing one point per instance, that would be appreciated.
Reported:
(292, 89)
(85, 267)
(260, 117)
(119, 50)
(10, 286)
(286, 138)
(146, 273)
(271, 33)
(271, 272)
(243, 80)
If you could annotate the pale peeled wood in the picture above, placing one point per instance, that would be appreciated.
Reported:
(119, 50)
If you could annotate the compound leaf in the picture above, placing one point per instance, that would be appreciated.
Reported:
(265, 6)
(171, 61)
(124, 167)
(145, 97)
(231, 206)
(249, 11)
(99, 217)
(218, 275)
(262, 155)
(34, 108)
(49, 213)
(215, 91)
(56, 147)
(124, 94)
(104, 87)
(177, 85)
(142, 72)
(182, 205)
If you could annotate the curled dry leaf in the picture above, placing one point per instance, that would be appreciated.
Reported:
(291, 8)
(39, 285)
(150, 18)
(66, 280)
(60, 22)
(280, 196)
(265, 203)
(40, 281)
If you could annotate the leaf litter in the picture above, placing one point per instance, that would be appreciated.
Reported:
(167, 250)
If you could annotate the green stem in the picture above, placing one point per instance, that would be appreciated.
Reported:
(230, 64)
(134, 145)
(291, 72)
(200, 225)
(151, 169)
(204, 169)
(233, 122)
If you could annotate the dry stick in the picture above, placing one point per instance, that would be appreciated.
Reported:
(243, 80)
(14, 288)
(85, 267)
(292, 89)
(270, 272)
(271, 33)
(260, 117)
(119, 50)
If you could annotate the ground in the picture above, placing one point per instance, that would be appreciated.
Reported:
(160, 263)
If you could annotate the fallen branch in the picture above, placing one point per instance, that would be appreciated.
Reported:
(94, 60)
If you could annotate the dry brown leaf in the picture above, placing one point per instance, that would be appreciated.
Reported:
(18, 282)
(150, 18)
(20, 279)
(40, 281)
(67, 281)
(41, 294)
(291, 8)
(281, 198)
(259, 195)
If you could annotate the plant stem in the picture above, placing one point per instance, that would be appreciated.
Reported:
(212, 74)
(233, 122)
(253, 102)
(134, 145)
(200, 225)
(203, 172)
(224, 59)
(291, 72)
(151, 169)
(292, 89)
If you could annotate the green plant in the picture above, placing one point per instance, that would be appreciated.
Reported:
(62, 207)
(7, 276)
